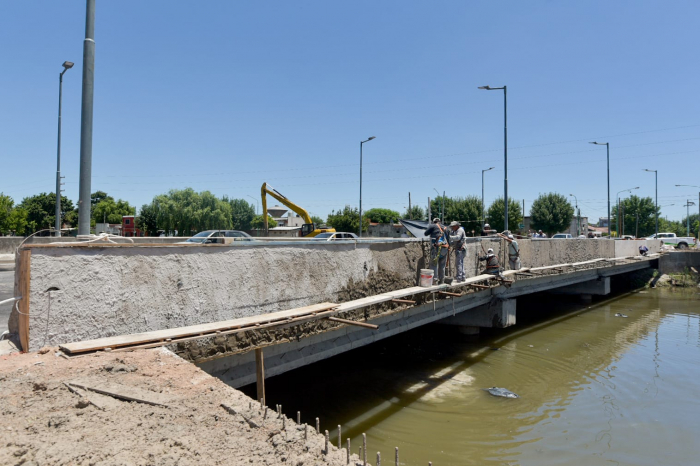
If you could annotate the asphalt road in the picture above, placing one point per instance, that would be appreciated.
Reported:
(7, 281)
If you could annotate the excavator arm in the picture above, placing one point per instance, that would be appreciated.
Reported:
(309, 228)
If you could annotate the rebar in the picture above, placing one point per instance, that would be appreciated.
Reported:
(327, 442)
(348, 449)
(318, 426)
(340, 438)
(396, 461)
(298, 417)
(364, 449)
(379, 459)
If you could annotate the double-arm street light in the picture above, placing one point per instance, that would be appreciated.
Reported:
(656, 196)
(693, 186)
(505, 149)
(619, 224)
(66, 66)
(483, 208)
(359, 233)
(578, 224)
(607, 144)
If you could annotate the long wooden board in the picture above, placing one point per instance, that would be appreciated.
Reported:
(195, 330)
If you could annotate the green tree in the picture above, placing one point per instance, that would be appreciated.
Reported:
(496, 214)
(189, 212)
(630, 208)
(258, 222)
(41, 210)
(6, 208)
(466, 210)
(347, 220)
(110, 211)
(415, 213)
(242, 213)
(317, 220)
(551, 213)
(97, 197)
(147, 221)
(378, 215)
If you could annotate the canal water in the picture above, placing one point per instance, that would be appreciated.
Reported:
(594, 389)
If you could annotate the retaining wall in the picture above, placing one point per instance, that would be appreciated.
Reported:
(79, 292)
(679, 261)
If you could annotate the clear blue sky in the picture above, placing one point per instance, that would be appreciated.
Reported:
(224, 95)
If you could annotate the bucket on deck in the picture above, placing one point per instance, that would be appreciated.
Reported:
(426, 277)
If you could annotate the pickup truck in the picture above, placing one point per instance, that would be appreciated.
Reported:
(680, 242)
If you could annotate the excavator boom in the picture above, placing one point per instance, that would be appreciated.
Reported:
(308, 229)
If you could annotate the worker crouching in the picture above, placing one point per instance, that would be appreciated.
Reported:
(439, 247)
(493, 265)
(458, 240)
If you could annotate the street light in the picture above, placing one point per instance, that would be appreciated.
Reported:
(578, 222)
(505, 149)
(607, 144)
(687, 205)
(618, 208)
(57, 225)
(483, 215)
(656, 198)
(256, 202)
(694, 186)
(359, 234)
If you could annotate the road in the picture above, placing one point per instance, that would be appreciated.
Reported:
(7, 280)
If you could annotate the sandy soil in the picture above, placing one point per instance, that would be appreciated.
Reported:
(44, 423)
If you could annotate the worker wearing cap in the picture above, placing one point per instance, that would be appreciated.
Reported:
(458, 241)
(513, 250)
(493, 266)
(439, 247)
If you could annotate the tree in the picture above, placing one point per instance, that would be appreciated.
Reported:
(17, 221)
(258, 222)
(97, 197)
(415, 213)
(630, 208)
(109, 211)
(317, 220)
(496, 214)
(6, 207)
(551, 213)
(147, 221)
(378, 215)
(189, 212)
(41, 210)
(242, 213)
(347, 220)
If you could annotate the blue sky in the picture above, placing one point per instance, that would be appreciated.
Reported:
(224, 96)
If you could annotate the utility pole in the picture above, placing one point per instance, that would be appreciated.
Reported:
(66, 66)
(505, 149)
(86, 120)
(359, 233)
(483, 208)
(430, 214)
(410, 214)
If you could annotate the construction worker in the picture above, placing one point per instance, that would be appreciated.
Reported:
(493, 266)
(439, 247)
(643, 250)
(458, 241)
(513, 250)
(487, 230)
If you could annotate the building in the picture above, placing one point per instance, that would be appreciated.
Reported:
(109, 228)
(386, 230)
(573, 229)
(603, 222)
(293, 232)
(291, 219)
(129, 226)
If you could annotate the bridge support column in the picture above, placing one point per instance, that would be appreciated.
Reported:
(498, 314)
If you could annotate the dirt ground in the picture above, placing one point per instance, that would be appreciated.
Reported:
(45, 423)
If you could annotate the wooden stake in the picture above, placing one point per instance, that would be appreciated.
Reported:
(447, 293)
(260, 374)
(403, 301)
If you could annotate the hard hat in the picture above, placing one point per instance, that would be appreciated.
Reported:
(436, 220)
(510, 236)
(454, 224)
(489, 251)
(487, 225)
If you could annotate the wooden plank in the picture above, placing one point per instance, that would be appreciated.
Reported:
(123, 392)
(447, 293)
(193, 330)
(353, 322)
(260, 374)
(403, 301)
(25, 259)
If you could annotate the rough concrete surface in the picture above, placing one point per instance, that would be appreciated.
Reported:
(44, 423)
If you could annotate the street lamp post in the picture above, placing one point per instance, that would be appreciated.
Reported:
(578, 221)
(483, 214)
(66, 66)
(607, 145)
(688, 203)
(505, 149)
(618, 207)
(656, 196)
(359, 233)
(694, 186)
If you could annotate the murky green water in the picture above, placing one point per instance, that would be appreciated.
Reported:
(594, 389)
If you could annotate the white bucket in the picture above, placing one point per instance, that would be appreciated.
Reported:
(426, 277)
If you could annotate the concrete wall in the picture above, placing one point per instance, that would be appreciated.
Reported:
(679, 261)
(79, 293)
(631, 247)
(8, 244)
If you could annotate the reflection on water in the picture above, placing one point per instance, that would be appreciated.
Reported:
(594, 388)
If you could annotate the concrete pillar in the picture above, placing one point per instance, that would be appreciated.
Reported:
(497, 314)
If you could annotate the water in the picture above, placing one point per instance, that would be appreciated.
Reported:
(594, 389)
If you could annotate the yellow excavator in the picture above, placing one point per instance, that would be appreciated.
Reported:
(308, 229)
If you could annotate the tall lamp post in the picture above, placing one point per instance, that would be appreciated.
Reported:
(656, 196)
(693, 186)
(578, 222)
(505, 148)
(66, 66)
(483, 209)
(619, 224)
(359, 233)
(687, 205)
(607, 145)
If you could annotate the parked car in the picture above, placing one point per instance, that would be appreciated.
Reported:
(218, 237)
(680, 242)
(335, 236)
(562, 236)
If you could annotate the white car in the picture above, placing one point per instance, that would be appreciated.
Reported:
(680, 242)
(218, 237)
(562, 236)
(335, 236)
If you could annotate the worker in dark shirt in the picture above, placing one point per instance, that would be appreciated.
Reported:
(439, 247)
(493, 265)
